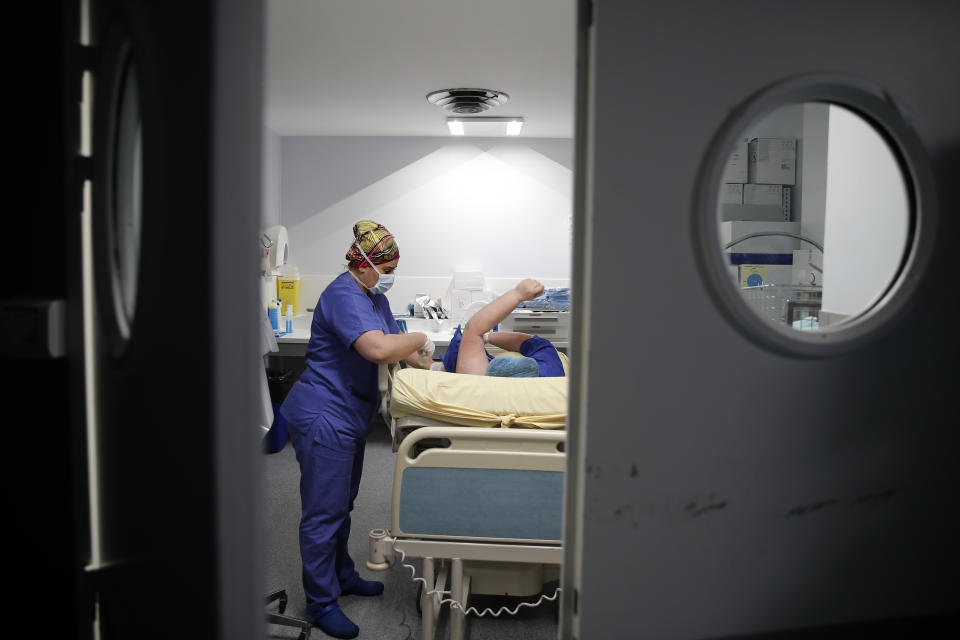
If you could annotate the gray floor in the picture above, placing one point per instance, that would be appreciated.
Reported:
(392, 616)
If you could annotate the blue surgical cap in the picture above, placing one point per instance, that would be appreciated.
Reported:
(510, 367)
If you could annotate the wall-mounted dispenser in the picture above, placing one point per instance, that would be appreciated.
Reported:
(274, 247)
(273, 255)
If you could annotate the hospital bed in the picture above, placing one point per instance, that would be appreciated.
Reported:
(477, 488)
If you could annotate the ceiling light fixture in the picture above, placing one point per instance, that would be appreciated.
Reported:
(485, 127)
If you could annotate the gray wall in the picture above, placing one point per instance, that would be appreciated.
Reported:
(270, 186)
(317, 172)
(455, 204)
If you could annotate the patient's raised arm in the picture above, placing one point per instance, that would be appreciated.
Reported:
(495, 312)
(472, 358)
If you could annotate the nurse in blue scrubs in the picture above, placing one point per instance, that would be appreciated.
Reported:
(330, 408)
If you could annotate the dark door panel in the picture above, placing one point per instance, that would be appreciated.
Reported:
(165, 252)
(731, 488)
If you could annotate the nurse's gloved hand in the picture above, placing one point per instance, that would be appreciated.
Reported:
(425, 353)
(427, 349)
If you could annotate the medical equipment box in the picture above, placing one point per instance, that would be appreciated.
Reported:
(763, 194)
(754, 275)
(772, 161)
(752, 212)
(736, 169)
(783, 303)
(731, 193)
(759, 202)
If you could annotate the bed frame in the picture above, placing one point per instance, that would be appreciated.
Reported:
(481, 506)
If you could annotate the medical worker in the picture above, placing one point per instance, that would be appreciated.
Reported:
(329, 409)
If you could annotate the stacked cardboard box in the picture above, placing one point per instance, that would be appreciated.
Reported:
(758, 185)
(772, 161)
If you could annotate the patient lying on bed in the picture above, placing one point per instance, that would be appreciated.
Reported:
(467, 352)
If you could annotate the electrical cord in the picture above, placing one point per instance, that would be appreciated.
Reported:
(453, 603)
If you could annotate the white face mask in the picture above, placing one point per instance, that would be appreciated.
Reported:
(384, 280)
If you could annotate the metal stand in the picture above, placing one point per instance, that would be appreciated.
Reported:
(286, 621)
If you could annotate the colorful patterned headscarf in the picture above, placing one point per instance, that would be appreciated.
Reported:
(376, 242)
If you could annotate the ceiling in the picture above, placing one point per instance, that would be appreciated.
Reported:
(364, 67)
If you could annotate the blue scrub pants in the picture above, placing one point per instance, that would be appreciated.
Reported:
(329, 481)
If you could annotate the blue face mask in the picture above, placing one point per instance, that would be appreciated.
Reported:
(384, 280)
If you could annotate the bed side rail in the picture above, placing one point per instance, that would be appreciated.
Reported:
(473, 483)
(523, 442)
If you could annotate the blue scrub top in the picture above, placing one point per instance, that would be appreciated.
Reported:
(337, 394)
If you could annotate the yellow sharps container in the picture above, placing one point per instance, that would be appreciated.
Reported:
(288, 288)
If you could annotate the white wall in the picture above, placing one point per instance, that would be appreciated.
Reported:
(498, 206)
(866, 215)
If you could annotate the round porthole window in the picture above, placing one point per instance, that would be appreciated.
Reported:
(815, 216)
(118, 209)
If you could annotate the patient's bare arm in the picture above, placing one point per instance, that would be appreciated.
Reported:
(508, 340)
(472, 358)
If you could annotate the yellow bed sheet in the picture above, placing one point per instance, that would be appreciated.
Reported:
(480, 401)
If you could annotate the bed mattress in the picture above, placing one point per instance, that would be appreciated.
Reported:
(480, 401)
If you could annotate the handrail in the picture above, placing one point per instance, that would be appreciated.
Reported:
(773, 233)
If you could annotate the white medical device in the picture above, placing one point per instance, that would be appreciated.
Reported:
(273, 254)
(273, 247)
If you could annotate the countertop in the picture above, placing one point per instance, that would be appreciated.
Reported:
(439, 331)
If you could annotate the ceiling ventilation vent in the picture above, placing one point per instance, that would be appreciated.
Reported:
(467, 101)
